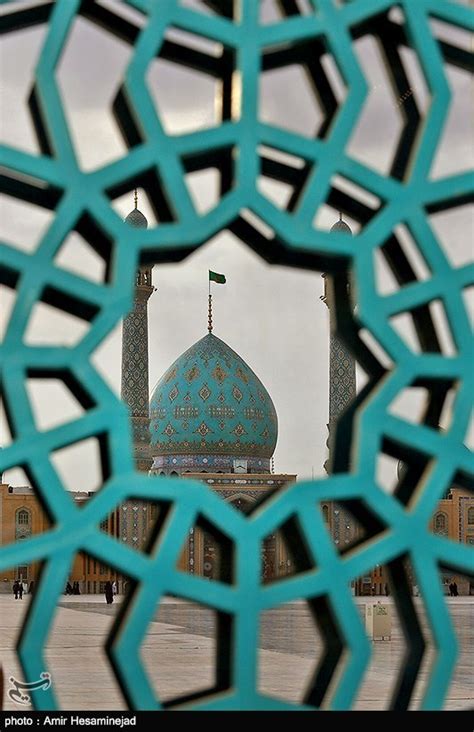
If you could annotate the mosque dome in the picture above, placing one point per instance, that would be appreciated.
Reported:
(210, 409)
(136, 219)
(341, 226)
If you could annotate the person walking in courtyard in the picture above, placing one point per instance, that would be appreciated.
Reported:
(15, 589)
(109, 594)
(455, 589)
(31, 589)
(20, 590)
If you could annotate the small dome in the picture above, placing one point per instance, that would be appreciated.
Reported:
(136, 219)
(211, 403)
(342, 227)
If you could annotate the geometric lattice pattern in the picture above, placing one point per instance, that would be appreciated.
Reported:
(241, 148)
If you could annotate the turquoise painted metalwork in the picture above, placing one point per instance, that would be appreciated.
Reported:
(397, 524)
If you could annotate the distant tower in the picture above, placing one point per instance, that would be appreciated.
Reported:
(342, 391)
(134, 386)
(136, 516)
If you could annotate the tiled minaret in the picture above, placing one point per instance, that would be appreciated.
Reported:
(136, 516)
(342, 391)
(135, 387)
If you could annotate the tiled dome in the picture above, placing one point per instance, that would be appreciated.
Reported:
(209, 409)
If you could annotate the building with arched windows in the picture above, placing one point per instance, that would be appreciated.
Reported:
(21, 516)
(453, 519)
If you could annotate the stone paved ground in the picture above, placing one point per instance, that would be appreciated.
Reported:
(178, 652)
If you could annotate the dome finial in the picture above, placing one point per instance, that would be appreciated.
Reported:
(135, 198)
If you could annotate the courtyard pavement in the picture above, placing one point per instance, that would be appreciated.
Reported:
(178, 652)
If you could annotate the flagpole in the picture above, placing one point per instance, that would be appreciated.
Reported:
(209, 316)
(215, 277)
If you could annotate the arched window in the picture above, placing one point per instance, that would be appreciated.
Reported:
(470, 515)
(23, 517)
(441, 524)
(326, 513)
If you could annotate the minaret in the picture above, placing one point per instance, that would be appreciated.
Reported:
(342, 391)
(134, 386)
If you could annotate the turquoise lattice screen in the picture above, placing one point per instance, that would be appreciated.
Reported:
(397, 524)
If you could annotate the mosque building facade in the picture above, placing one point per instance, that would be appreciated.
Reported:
(209, 418)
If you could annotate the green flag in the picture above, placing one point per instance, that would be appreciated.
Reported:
(215, 277)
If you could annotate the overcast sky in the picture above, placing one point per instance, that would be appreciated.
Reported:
(272, 316)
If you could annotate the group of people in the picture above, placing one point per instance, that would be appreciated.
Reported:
(21, 588)
(453, 589)
(72, 589)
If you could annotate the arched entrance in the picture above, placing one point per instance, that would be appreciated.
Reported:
(212, 558)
